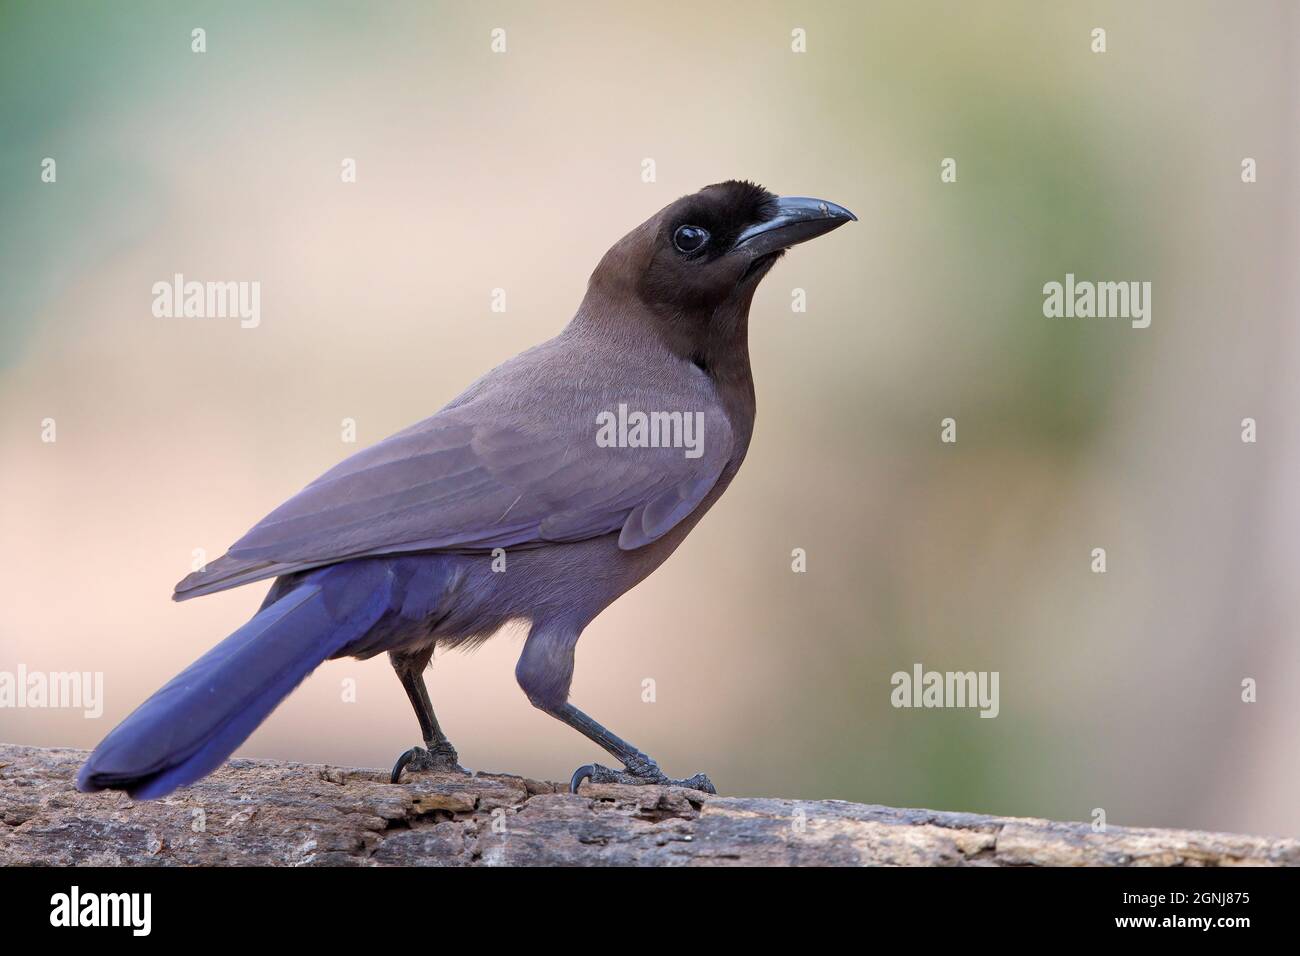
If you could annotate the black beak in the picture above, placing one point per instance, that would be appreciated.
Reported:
(797, 219)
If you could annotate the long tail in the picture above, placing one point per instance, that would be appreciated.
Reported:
(187, 729)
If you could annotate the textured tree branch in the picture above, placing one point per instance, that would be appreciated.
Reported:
(272, 812)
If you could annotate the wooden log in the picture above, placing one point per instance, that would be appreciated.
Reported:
(268, 812)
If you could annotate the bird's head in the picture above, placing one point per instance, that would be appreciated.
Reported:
(695, 264)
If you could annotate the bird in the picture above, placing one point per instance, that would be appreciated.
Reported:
(542, 493)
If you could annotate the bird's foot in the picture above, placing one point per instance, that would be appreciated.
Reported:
(440, 757)
(638, 774)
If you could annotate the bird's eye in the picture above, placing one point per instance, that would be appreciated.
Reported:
(690, 238)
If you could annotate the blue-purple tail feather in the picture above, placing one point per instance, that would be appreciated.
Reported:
(189, 727)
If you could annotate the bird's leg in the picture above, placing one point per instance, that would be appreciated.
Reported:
(437, 752)
(545, 671)
(639, 768)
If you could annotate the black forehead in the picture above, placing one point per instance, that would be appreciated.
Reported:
(725, 209)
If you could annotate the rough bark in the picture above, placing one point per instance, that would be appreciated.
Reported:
(272, 812)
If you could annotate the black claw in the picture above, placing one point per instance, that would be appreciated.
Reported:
(579, 775)
(402, 761)
(702, 783)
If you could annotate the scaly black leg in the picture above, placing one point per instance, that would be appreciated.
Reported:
(640, 768)
(437, 753)
(545, 672)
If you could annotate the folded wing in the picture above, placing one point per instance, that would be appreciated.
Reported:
(478, 476)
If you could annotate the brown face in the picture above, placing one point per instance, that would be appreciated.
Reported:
(717, 244)
(691, 264)
(694, 266)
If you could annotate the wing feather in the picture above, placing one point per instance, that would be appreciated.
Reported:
(488, 471)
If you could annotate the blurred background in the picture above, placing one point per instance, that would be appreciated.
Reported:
(479, 170)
